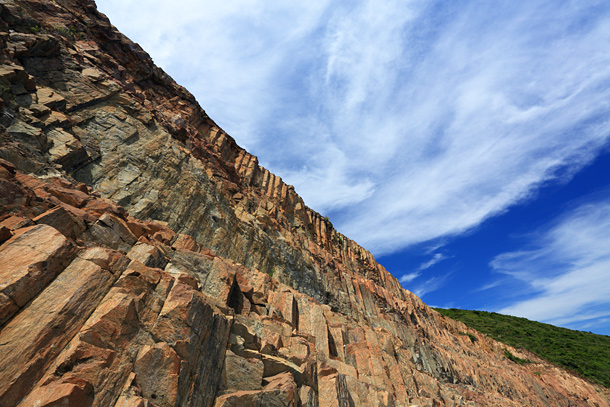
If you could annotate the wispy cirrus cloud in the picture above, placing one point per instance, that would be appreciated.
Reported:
(239, 58)
(432, 283)
(437, 258)
(408, 277)
(497, 103)
(564, 273)
(403, 120)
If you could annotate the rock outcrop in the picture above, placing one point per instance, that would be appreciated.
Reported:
(147, 260)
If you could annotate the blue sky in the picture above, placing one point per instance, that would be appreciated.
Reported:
(464, 143)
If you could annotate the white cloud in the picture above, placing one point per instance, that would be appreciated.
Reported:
(236, 57)
(431, 284)
(402, 120)
(438, 257)
(489, 286)
(567, 270)
(406, 278)
(489, 115)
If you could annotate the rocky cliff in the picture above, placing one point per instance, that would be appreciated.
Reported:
(147, 260)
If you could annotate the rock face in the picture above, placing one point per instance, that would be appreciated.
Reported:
(147, 260)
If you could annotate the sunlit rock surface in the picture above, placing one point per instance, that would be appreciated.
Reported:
(147, 260)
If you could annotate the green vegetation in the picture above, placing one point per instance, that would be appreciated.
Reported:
(7, 92)
(69, 32)
(584, 353)
(473, 338)
(515, 359)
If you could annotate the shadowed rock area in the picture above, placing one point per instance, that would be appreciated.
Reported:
(147, 260)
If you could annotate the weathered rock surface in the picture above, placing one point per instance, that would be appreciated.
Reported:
(147, 260)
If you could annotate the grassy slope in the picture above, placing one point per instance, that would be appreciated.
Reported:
(582, 352)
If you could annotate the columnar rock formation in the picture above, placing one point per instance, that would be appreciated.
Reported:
(147, 260)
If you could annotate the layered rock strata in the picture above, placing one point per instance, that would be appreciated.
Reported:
(146, 259)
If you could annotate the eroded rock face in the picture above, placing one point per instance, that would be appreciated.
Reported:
(147, 260)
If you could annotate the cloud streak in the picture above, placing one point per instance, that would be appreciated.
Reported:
(565, 269)
(403, 121)
(438, 257)
(432, 283)
(489, 115)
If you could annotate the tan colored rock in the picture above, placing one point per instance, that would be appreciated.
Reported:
(93, 74)
(284, 305)
(165, 236)
(185, 242)
(8, 308)
(284, 387)
(246, 328)
(158, 371)
(54, 118)
(112, 232)
(16, 222)
(244, 399)
(222, 284)
(39, 332)
(280, 392)
(102, 206)
(110, 260)
(32, 260)
(190, 324)
(241, 373)
(308, 397)
(26, 132)
(137, 227)
(65, 148)
(10, 71)
(50, 98)
(103, 352)
(130, 396)
(62, 221)
(67, 193)
(78, 393)
(238, 260)
(313, 322)
(148, 255)
(298, 350)
(333, 391)
(39, 110)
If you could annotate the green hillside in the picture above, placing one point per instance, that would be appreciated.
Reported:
(585, 353)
